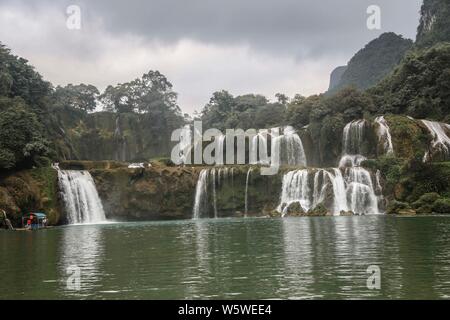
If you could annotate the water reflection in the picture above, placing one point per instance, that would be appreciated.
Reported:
(82, 247)
(293, 258)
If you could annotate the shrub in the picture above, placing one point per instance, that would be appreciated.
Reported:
(442, 205)
(395, 206)
(426, 199)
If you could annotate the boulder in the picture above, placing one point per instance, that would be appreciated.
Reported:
(406, 212)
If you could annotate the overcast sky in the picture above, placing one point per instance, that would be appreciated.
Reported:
(244, 46)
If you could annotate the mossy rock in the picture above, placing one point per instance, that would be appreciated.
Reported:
(346, 213)
(394, 207)
(295, 210)
(320, 210)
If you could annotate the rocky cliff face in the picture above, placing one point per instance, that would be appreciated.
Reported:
(374, 62)
(434, 23)
(34, 190)
(169, 192)
(336, 76)
(109, 136)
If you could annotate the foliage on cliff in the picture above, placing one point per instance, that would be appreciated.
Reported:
(225, 111)
(434, 23)
(374, 62)
(31, 190)
(420, 86)
(23, 113)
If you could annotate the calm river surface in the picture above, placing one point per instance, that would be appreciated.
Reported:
(293, 258)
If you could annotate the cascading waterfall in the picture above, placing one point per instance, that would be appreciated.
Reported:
(319, 190)
(441, 141)
(185, 143)
(213, 177)
(81, 199)
(353, 136)
(201, 192)
(339, 191)
(246, 189)
(384, 135)
(290, 146)
(121, 152)
(295, 189)
(360, 193)
(258, 148)
(346, 188)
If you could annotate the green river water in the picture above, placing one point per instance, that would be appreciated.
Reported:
(292, 258)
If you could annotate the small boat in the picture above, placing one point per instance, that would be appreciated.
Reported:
(34, 221)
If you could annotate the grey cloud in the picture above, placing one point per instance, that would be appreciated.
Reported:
(287, 27)
(296, 36)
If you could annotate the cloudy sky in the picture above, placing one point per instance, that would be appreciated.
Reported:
(257, 46)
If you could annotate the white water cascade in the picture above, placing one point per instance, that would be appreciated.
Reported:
(185, 144)
(384, 135)
(295, 189)
(246, 189)
(81, 199)
(309, 189)
(359, 189)
(290, 147)
(441, 141)
(361, 196)
(201, 192)
(213, 177)
(353, 136)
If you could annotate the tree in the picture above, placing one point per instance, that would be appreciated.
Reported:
(82, 96)
(149, 94)
(18, 78)
(21, 140)
(282, 98)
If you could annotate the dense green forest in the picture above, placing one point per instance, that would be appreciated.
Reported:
(40, 123)
(374, 62)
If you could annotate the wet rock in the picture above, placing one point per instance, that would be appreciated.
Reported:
(395, 206)
(295, 210)
(319, 211)
(346, 213)
(406, 212)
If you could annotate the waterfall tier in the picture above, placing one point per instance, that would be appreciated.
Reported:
(384, 135)
(81, 199)
(352, 191)
(441, 141)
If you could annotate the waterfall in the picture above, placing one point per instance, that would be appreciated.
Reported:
(121, 152)
(384, 135)
(360, 191)
(220, 150)
(246, 189)
(213, 177)
(353, 136)
(353, 192)
(185, 144)
(295, 189)
(81, 199)
(339, 191)
(319, 189)
(290, 147)
(440, 142)
(351, 160)
(201, 193)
